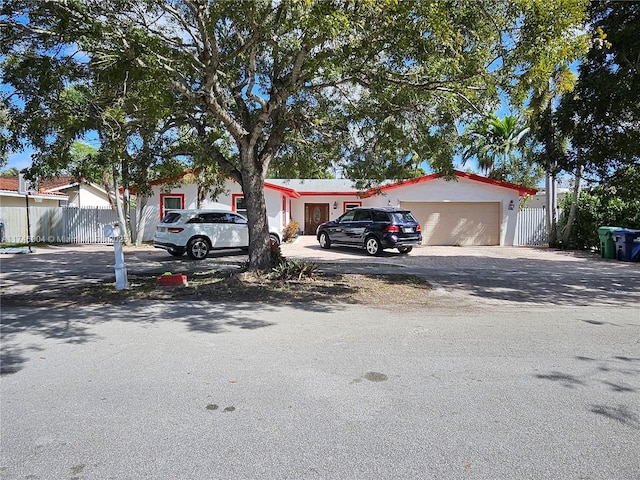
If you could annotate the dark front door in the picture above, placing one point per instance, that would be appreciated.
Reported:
(314, 215)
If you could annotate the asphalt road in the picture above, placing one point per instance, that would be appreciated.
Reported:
(484, 383)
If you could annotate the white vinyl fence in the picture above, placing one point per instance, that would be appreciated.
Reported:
(531, 228)
(56, 224)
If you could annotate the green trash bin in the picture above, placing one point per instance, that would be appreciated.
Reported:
(607, 243)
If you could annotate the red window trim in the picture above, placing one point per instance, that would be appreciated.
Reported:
(233, 200)
(344, 205)
(170, 195)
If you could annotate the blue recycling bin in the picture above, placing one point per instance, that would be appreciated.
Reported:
(627, 244)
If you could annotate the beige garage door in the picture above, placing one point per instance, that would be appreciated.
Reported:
(465, 224)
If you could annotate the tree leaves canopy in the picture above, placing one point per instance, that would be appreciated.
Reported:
(602, 116)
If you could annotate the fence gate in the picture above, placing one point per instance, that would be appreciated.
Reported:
(532, 227)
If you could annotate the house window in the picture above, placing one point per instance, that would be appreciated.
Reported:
(239, 204)
(171, 201)
(350, 205)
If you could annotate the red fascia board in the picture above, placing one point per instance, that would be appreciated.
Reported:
(286, 190)
(470, 176)
(522, 190)
(349, 193)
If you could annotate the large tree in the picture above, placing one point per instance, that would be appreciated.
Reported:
(383, 83)
(602, 115)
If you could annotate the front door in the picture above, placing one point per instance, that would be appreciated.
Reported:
(314, 215)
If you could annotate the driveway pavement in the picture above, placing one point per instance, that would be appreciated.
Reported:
(545, 387)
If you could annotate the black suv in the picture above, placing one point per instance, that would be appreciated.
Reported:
(372, 228)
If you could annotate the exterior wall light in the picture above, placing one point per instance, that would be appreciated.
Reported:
(511, 205)
(335, 205)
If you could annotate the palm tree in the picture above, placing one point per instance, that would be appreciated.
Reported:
(497, 144)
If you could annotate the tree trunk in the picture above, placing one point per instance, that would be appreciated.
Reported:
(140, 219)
(551, 209)
(573, 211)
(122, 221)
(253, 189)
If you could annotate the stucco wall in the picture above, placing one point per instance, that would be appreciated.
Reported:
(90, 196)
(273, 199)
(19, 201)
(460, 190)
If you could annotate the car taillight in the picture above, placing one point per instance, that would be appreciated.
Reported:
(418, 229)
(174, 229)
(392, 229)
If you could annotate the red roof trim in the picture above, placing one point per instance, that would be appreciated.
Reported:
(522, 190)
(286, 190)
(308, 194)
(469, 176)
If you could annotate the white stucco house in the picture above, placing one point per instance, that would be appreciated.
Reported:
(55, 192)
(11, 197)
(81, 193)
(469, 210)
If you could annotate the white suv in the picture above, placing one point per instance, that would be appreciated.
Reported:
(199, 231)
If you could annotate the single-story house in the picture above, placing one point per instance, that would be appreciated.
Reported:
(468, 210)
(11, 197)
(55, 192)
(539, 200)
(82, 193)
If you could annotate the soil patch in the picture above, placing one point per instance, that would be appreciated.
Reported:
(378, 290)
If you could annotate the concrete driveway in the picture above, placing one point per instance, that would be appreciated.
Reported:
(531, 275)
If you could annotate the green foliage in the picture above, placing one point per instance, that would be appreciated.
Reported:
(602, 117)
(501, 150)
(599, 208)
(290, 231)
(10, 172)
(295, 270)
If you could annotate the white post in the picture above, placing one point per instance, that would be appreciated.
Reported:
(122, 283)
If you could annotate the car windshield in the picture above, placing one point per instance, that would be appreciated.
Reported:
(171, 217)
(402, 217)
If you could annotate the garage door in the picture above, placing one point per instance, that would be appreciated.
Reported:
(464, 223)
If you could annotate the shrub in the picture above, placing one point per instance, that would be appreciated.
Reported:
(295, 269)
(595, 209)
(290, 231)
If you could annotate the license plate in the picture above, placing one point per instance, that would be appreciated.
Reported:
(407, 229)
(160, 229)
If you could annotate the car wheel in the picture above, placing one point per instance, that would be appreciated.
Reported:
(373, 246)
(275, 241)
(176, 252)
(325, 241)
(405, 249)
(198, 248)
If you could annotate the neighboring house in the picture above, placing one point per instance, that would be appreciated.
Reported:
(82, 193)
(55, 192)
(539, 199)
(470, 210)
(10, 197)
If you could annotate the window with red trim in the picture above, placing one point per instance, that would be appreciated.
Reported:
(170, 201)
(349, 205)
(238, 204)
